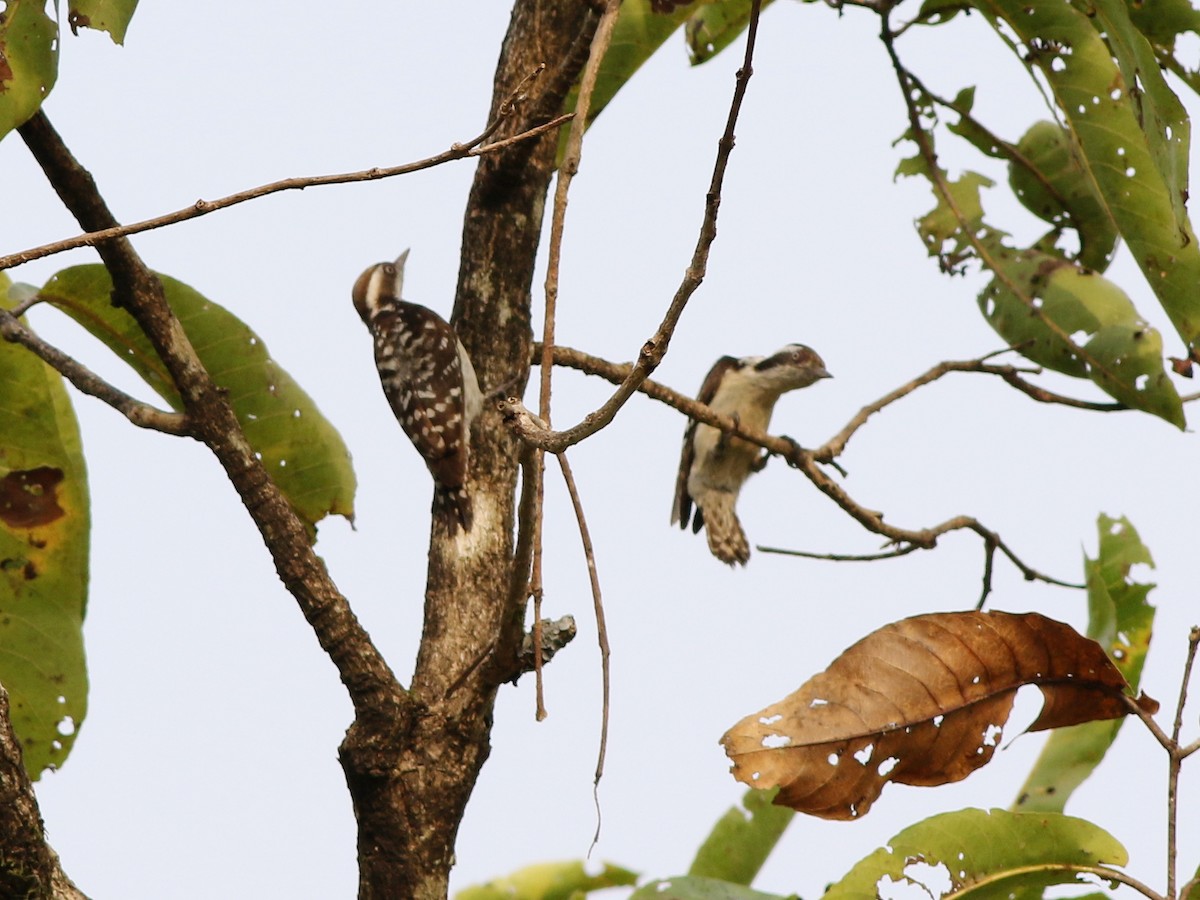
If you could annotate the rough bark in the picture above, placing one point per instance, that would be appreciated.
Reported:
(382, 707)
(28, 867)
(476, 592)
(411, 758)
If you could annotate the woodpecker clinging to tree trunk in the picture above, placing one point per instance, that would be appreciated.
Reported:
(715, 465)
(427, 378)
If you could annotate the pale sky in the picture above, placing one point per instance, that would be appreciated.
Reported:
(208, 763)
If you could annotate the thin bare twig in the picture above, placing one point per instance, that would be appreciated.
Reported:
(989, 561)
(531, 429)
(872, 520)
(1176, 762)
(472, 148)
(140, 414)
(842, 557)
(601, 631)
(1193, 643)
(1152, 726)
(654, 350)
(617, 373)
(836, 445)
(601, 40)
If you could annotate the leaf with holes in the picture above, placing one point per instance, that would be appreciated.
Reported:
(942, 228)
(103, 15)
(1132, 131)
(1081, 324)
(1047, 177)
(1119, 619)
(922, 701)
(714, 26)
(45, 514)
(992, 855)
(1130, 369)
(28, 60)
(301, 450)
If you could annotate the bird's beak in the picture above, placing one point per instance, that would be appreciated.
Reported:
(398, 282)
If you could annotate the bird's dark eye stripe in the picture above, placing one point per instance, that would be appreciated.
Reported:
(801, 355)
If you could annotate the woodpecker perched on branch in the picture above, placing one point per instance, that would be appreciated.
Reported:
(427, 378)
(715, 464)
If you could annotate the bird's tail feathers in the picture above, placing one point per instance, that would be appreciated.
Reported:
(726, 539)
(453, 506)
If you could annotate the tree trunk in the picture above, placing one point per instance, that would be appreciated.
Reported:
(409, 797)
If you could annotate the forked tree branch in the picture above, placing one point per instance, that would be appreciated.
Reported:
(654, 350)
(369, 681)
(140, 414)
(532, 430)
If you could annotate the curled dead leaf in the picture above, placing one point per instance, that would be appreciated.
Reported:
(922, 701)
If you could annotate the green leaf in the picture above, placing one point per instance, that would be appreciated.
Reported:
(690, 887)
(103, 15)
(1065, 302)
(1132, 130)
(1162, 20)
(549, 881)
(714, 26)
(936, 12)
(1192, 888)
(742, 839)
(28, 60)
(944, 224)
(1081, 324)
(45, 516)
(1046, 176)
(637, 35)
(1121, 620)
(984, 855)
(301, 450)
(1131, 370)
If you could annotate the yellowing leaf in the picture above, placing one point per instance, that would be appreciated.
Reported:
(103, 15)
(992, 855)
(45, 512)
(549, 881)
(28, 60)
(1079, 323)
(301, 450)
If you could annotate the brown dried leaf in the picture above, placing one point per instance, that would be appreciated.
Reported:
(922, 701)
